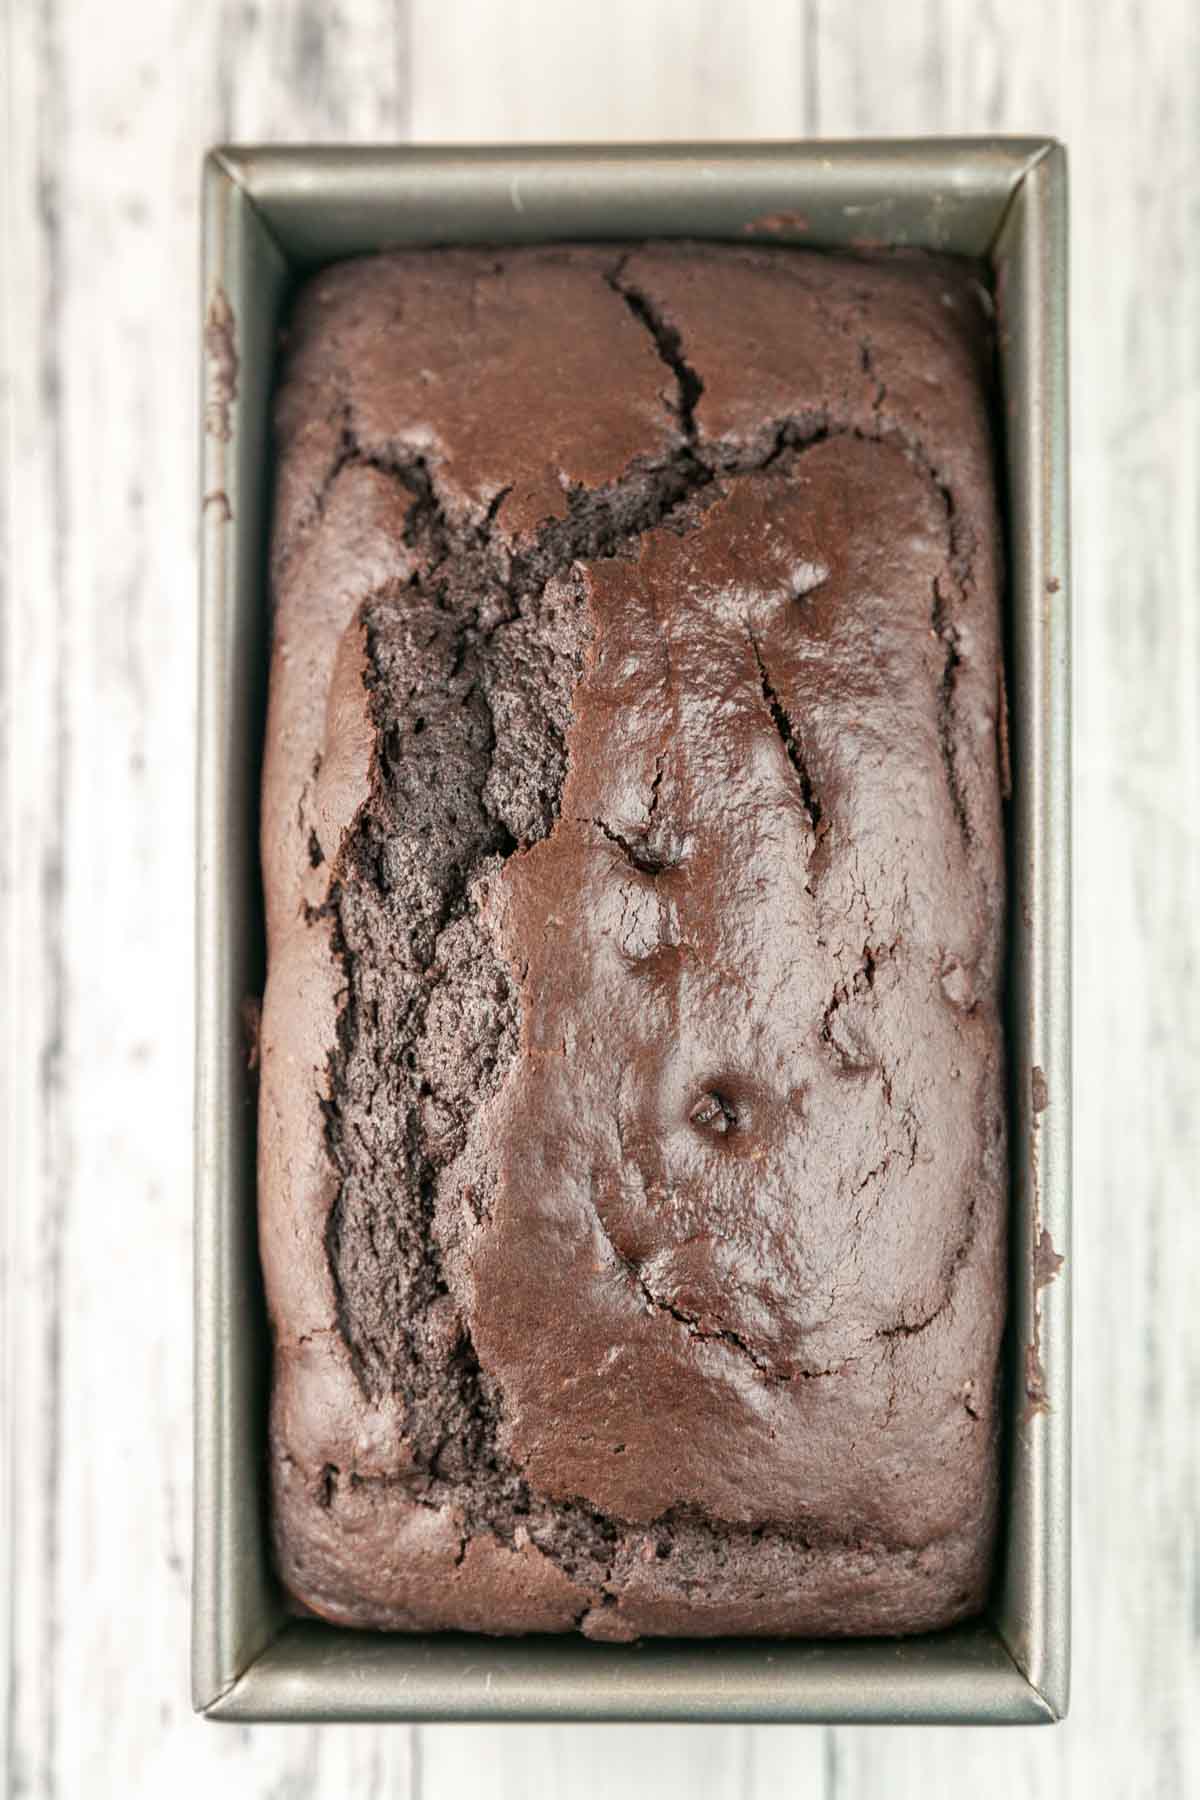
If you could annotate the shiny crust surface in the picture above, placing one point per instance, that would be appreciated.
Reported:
(632, 1135)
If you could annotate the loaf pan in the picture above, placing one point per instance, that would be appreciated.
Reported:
(272, 214)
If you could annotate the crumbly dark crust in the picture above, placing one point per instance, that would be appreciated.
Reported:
(632, 1162)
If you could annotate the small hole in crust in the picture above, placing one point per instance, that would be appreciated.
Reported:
(713, 1112)
(645, 859)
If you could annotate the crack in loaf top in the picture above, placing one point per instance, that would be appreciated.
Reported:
(632, 1136)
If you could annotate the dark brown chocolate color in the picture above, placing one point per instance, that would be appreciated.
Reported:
(632, 1150)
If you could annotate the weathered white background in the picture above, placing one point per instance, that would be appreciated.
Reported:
(108, 109)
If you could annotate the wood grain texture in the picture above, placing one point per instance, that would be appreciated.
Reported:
(106, 119)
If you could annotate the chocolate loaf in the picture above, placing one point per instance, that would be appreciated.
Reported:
(632, 1131)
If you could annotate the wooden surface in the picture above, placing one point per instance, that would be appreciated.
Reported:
(108, 110)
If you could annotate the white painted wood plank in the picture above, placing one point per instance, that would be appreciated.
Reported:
(531, 69)
(617, 1762)
(36, 1137)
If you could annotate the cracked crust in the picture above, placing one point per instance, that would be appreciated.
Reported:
(632, 1155)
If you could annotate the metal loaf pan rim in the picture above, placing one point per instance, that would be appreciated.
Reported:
(269, 212)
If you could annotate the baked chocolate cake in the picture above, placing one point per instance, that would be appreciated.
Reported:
(632, 1149)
